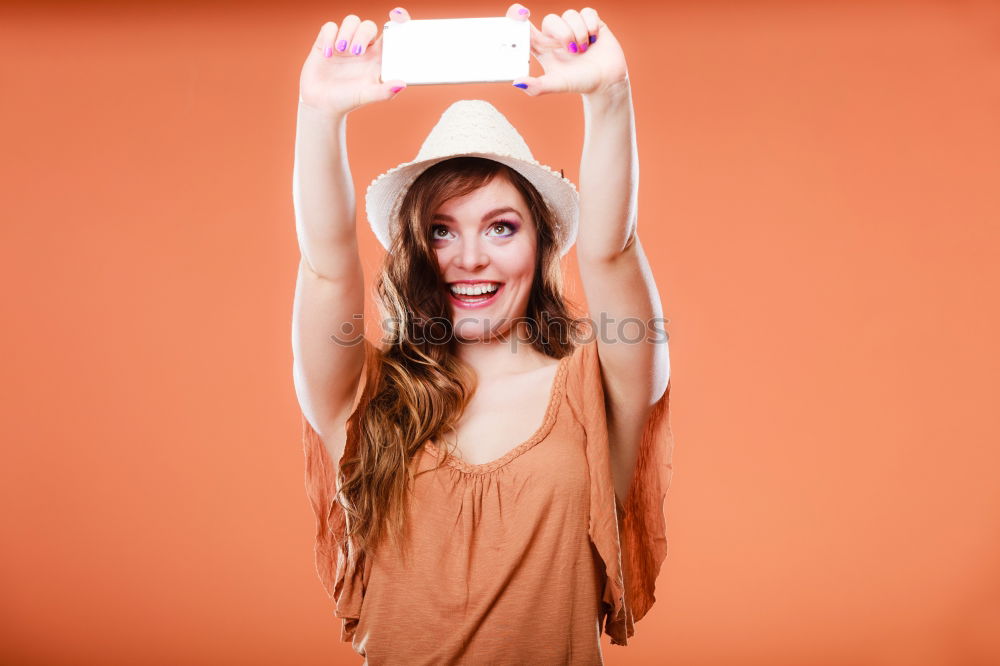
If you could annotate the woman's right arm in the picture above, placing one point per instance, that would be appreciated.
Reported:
(329, 291)
(329, 288)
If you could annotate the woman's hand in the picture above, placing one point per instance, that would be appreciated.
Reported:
(577, 51)
(342, 70)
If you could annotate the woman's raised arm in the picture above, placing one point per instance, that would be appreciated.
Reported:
(340, 74)
(580, 54)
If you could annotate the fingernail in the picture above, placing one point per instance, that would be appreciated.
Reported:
(593, 38)
(357, 49)
(328, 51)
(396, 89)
(583, 47)
(572, 47)
(521, 85)
(341, 45)
(522, 10)
(397, 11)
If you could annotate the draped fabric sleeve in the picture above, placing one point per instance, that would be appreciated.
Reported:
(631, 540)
(343, 580)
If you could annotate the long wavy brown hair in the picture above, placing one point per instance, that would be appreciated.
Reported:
(417, 387)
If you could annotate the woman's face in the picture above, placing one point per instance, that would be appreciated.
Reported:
(486, 239)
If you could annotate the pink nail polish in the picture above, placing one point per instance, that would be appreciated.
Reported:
(328, 51)
(522, 10)
(396, 89)
(356, 50)
(341, 45)
(572, 47)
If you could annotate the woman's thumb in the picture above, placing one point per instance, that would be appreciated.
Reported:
(390, 88)
(540, 85)
(533, 85)
(379, 92)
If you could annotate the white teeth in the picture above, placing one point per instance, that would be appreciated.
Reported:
(467, 290)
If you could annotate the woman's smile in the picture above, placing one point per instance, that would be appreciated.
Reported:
(472, 295)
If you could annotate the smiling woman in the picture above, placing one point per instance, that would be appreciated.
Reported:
(486, 487)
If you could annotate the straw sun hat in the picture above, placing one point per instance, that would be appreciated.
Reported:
(473, 127)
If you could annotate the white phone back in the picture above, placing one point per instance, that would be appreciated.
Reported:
(469, 50)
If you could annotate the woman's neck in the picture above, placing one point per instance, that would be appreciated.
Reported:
(508, 354)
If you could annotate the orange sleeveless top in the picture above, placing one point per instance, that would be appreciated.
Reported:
(525, 559)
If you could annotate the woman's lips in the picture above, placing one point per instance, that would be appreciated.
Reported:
(457, 302)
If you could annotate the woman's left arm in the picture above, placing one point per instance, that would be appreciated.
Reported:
(617, 280)
(579, 53)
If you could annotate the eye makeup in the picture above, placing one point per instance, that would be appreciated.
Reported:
(513, 226)
(510, 224)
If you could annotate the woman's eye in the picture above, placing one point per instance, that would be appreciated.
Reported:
(503, 224)
(435, 229)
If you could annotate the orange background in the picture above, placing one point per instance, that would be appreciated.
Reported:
(819, 200)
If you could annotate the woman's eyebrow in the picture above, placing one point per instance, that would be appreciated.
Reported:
(492, 213)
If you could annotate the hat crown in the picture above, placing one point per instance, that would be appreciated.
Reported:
(473, 126)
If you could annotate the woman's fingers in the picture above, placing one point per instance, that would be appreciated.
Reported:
(363, 36)
(355, 36)
(350, 38)
(325, 39)
(592, 20)
(581, 40)
(575, 30)
(556, 27)
(518, 11)
(346, 33)
(542, 43)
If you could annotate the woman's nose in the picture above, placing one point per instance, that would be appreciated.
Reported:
(471, 255)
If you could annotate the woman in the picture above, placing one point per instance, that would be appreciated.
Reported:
(439, 539)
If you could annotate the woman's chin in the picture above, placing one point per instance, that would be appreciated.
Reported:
(475, 328)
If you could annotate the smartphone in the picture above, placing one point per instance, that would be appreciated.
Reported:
(464, 50)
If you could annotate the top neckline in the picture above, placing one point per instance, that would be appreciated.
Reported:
(555, 393)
